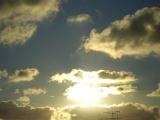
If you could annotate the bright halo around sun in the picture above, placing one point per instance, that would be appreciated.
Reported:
(87, 95)
(82, 93)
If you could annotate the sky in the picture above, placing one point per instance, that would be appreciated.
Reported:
(67, 59)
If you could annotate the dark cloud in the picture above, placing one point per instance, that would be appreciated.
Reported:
(24, 75)
(19, 17)
(134, 35)
(115, 75)
(128, 111)
(10, 111)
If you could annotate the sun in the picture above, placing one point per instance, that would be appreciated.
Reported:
(84, 94)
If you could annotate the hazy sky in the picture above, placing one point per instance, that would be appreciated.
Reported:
(59, 53)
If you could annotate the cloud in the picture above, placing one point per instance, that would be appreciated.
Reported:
(81, 18)
(17, 91)
(10, 111)
(134, 35)
(19, 18)
(34, 91)
(128, 111)
(87, 86)
(155, 93)
(23, 100)
(3, 74)
(23, 75)
(95, 77)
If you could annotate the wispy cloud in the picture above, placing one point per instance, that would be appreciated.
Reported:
(34, 91)
(81, 18)
(134, 35)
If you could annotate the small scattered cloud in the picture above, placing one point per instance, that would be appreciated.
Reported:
(81, 18)
(19, 18)
(23, 100)
(134, 35)
(23, 75)
(155, 93)
(3, 74)
(34, 91)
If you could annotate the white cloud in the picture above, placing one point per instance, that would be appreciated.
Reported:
(134, 35)
(81, 18)
(19, 17)
(155, 93)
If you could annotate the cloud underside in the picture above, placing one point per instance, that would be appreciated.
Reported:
(18, 19)
(134, 35)
(105, 77)
(95, 84)
(155, 93)
(128, 111)
(20, 75)
(10, 111)
(81, 18)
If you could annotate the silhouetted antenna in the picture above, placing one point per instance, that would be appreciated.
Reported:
(114, 115)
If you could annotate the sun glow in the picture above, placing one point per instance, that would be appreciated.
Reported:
(82, 93)
(89, 95)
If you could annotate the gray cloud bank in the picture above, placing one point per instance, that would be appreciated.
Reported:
(19, 17)
(10, 111)
(134, 35)
(128, 111)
